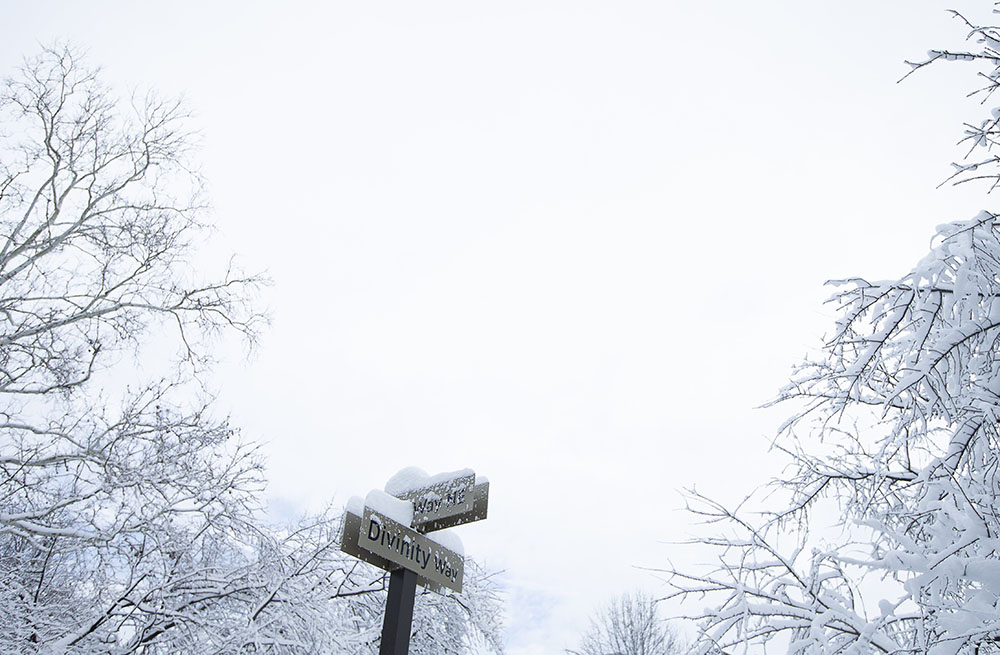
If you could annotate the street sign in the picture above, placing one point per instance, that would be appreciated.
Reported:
(349, 544)
(480, 505)
(441, 500)
(411, 557)
(403, 546)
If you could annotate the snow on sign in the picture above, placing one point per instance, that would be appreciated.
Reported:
(382, 529)
(443, 500)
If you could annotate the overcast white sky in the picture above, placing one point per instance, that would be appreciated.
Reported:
(570, 245)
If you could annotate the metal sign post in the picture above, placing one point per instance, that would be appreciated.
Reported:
(411, 557)
(398, 613)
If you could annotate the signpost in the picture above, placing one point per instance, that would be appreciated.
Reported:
(410, 555)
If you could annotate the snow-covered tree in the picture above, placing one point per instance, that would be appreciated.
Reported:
(130, 512)
(300, 594)
(107, 504)
(629, 625)
(897, 434)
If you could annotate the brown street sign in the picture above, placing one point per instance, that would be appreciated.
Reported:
(441, 500)
(410, 556)
(480, 505)
(378, 540)
(408, 548)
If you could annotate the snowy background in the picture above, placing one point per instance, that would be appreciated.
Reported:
(569, 245)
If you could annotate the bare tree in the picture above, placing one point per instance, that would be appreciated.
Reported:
(104, 503)
(129, 522)
(629, 625)
(897, 433)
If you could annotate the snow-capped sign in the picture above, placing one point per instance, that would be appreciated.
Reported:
(408, 548)
(382, 529)
(439, 499)
(480, 506)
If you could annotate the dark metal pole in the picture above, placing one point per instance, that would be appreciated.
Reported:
(398, 613)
